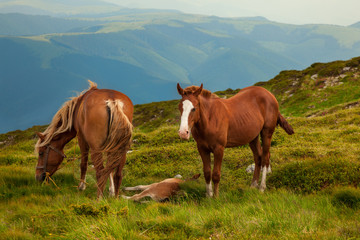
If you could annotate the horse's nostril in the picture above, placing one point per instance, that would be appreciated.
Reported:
(187, 132)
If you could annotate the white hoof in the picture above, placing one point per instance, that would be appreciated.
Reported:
(111, 192)
(254, 184)
(82, 186)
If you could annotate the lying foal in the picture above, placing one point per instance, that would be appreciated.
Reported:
(160, 191)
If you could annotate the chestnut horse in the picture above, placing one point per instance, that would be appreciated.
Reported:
(217, 123)
(101, 120)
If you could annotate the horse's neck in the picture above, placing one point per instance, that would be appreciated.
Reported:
(205, 111)
(66, 137)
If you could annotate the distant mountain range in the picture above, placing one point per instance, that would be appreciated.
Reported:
(143, 53)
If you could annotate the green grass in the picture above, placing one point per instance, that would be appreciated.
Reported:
(313, 192)
(46, 212)
(306, 198)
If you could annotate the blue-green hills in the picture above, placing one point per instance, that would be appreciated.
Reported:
(145, 53)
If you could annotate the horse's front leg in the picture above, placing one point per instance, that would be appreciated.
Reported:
(216, 174)
(205, 156)
(84, 148)
(97, 159)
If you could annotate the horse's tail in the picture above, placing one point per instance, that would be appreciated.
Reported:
(119, 128)
(285, 125)
(118, 139)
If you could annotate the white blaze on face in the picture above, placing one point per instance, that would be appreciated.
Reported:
(184, 125)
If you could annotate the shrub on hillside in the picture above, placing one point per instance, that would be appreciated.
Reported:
(349, 197)
(332, 69)
(90, 210)
(312, 176)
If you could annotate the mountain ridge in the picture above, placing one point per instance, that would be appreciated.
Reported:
(145, 54)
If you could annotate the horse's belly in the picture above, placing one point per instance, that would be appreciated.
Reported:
(242, 135)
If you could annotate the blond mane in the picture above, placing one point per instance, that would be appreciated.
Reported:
(205, 93)
(62, 120)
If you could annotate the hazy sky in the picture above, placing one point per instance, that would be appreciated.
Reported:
(340, 12)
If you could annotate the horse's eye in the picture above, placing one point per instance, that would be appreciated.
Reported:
(193, 110)
(41, 153)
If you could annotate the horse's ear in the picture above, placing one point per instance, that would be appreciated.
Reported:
(198, 91)
(40, 135)
(180, 90)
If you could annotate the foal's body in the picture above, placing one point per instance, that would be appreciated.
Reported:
(217, 123)
(158, 191)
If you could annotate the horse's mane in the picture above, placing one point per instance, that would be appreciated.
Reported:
(63, 119)
(205, 93)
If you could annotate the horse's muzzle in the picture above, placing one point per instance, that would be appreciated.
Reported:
(184, 134)
(40, 177)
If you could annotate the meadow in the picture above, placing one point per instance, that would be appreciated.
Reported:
(313, 191)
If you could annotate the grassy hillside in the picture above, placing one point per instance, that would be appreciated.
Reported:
(315, 89)
(312, 193)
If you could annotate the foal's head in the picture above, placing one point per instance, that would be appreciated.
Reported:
(189, 109)
(50, 156)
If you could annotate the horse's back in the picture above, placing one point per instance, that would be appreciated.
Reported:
(254, 99)
(248, 94)
(96, 100)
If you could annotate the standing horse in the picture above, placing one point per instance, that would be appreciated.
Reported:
(101, 120)
(217, 123)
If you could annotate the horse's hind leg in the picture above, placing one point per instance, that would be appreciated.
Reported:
(137, 188)
(118, 174)
(84, 148)
(257, 152)
(266, 135)
(139, 196)
(97, 160)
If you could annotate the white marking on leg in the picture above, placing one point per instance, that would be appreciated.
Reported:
(82, 185)
(209, 190)
(111, 186)
(263, 179)
(184, 124)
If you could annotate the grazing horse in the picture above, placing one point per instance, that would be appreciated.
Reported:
(160, 191)
(101, 120)
(217, 123)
